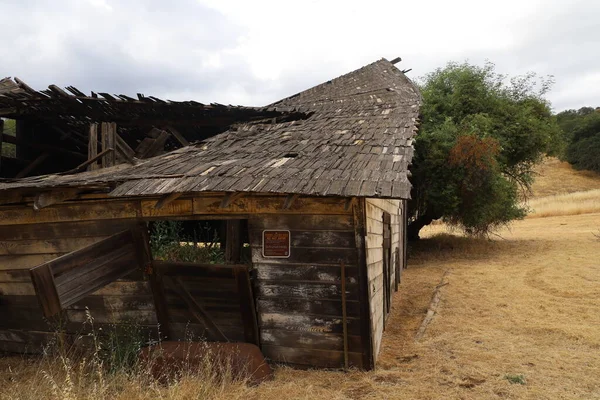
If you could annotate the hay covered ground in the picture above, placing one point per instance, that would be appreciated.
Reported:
(519, 319)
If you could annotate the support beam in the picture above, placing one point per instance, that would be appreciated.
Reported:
(47, 199)
(123, 148)
(396, 60)
(247, 306)
(177, 135)
(230, 197)
(82, 166)
(93, 147)
(195, 308)
(33, 165)
(109, 132)
(233, 241)
(20, 143)
(289, 200)
(163, 201)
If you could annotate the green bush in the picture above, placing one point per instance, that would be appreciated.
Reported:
(168, 242)
(581, 130)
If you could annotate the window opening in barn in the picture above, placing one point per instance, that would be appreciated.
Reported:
(200, 241)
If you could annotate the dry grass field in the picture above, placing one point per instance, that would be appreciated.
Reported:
(519, 319)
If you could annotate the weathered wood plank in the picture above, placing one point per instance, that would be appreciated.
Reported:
(48, 246)
(270, 205)
(312, 357)
(177, 207)
(82, 211)
(306, 290)
(309, 255)
(310, 340)
(304, 272)
(302, 306)
(307, 323)
(336, 239)
(25, 261)
(327, 223)
(54, 231)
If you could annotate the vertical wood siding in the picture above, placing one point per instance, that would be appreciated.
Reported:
(299, 298)
(374, 248)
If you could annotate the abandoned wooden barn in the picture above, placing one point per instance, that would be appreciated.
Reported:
(308, 195)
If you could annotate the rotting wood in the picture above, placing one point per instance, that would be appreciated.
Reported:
(289, 200)
(109, 131)
(93, 146)
(33, 165)
(91, 161)
(1, 135)
(247, 306)
(83, 271)
(177, 135)
(166, 199)
(195, 308)
(344, 317)
(358, 211)
(42, 147)
(124, 149)
(46, 199)
(233, 241)
(230, 197)
(433, 304)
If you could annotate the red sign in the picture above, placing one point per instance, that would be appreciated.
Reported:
(276, 244)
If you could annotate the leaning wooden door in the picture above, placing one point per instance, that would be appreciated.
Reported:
(387, 246)
(65, 280)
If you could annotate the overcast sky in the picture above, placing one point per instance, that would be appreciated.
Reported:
(256, 52)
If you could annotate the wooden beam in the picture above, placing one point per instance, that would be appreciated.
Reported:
(247, 306)
(33, 165)
(289, 200)
(81, 166)
(93, 146)
(157, 145)
(233, 241)
(54, 197)
(195, 308)
(230, 197)
(396, 60)
(166, 200)
(177, 135)
(124, 149)
(20, 143)
(109, 131)
(344, 316)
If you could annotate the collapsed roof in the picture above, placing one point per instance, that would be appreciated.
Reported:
(354, 139)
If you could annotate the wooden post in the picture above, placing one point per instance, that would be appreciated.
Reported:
(155, 279)
(247, 307)
(344, 317)
(233, 241)
(358, 211)
(109, 131)
(93, 146)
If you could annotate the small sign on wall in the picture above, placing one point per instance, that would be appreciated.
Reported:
(276, 244)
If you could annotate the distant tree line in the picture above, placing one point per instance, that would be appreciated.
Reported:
(581, 132)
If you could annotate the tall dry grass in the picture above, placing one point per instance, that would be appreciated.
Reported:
(102, 366)
(576, 203)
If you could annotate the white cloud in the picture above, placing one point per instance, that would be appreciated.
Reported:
(255, 52)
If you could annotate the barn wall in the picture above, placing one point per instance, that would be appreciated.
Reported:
(299, 299)
(374, 209)
(22, 326)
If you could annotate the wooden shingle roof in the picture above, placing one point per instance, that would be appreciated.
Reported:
(357, 141)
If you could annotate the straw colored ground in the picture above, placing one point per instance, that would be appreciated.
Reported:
(519, 319)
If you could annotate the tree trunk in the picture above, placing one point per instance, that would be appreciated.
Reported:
(415, 227)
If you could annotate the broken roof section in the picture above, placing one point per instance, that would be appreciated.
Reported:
(356, 141)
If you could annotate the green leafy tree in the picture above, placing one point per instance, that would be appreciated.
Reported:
(481, 134)
(581, 129)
